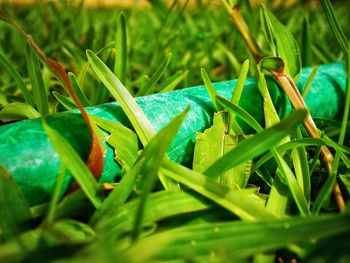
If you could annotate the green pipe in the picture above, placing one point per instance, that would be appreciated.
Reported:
(27, 154)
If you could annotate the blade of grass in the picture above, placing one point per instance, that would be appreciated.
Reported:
(210, 88)
(259, 143)
(309, 82)
(75, 165)
(138, 119)
(120, 62)
(335, 26)
(15, 214)
(147, 89)
(68, 104)
(13, 72)
(17, 111)
(78, 91)
(154, 153)
(35, 75)
(242, 203)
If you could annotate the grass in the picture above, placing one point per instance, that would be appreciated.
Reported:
(263, 196)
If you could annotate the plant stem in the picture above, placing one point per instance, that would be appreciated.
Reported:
(242, 28)
(326, 157)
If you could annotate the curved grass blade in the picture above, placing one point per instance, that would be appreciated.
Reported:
(75, 165)
(36, 79)
(240, 240)
(78, 91)
(153, 155)
(147, 89)
(243, 203)
(68, 104)
(13, 72)
(136, 116)
(258, 144)
(17, 111)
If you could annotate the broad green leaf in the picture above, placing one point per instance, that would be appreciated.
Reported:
(249, 148)
(148, 88)
(335, 26)
(13, 72)
(36, 80)
(283, 42)
(18, 111)
(72, 161)
(120, 63)
(240, 240)
(242, 202)
(212, 145)
(123, 140)
(78, 91)
(15, 215)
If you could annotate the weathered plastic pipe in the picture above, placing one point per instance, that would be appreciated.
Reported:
(27, 154)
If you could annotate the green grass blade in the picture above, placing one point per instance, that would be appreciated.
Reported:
(335, 26)
(136, 116)
(14, 213)
(309, 82)
(306, 43)
(147, 89)
(243, 203)
(36, 79)
(13, 72)
(284, 42)
(75, 165)
(294, 188)
(50, 216)
(78, 91)
(240, 240)
(153, 155)
(116, 222)
(236, 95)
(66, 102)
(17, 111)
(210, 88)
(174, 81)
(301, 168)
(256, 145)
(120, 63)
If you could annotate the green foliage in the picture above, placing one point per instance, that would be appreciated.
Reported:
(205, 213)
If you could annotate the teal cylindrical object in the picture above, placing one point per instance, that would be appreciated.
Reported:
(26, 152)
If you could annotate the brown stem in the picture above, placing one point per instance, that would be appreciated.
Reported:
(242, 28)
(326, 157)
